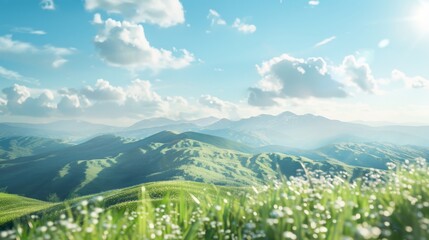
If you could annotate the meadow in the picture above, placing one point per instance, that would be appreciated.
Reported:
(391, 204)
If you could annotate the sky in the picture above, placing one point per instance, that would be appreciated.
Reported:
(117, 62)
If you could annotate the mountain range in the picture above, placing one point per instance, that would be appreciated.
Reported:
(111, 162)
(286, 129)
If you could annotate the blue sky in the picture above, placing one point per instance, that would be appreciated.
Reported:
(107, 61)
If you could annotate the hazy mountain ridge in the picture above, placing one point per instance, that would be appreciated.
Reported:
(310, 131)
(110, 162)
(286, 129)
(15, 147)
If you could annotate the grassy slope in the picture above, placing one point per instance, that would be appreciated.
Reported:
(108, 162)
(13, 206)
(316, 207)
(373, 155)
(15, 147)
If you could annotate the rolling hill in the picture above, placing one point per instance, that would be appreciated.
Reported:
(13, 207)
(367, 155)
(15, 147)
(110, 162)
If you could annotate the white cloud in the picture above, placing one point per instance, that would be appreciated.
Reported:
(164, 13)
(47, 4)
(59, 62)
(3, 103)
(214, 106)
(7, 44)
(105, 101)
(55, 55)
(357, 72)
(124, 44)
(243, 27)
(325, 41)
(9, 74)
(289, 77)
(215, 18)
(213, 102)
(97, 19)
(137, 100)
(410, 82)
(384, 43)
(28, 31)
(314, 2)
(71, 105)
(20, 102)
(103, 90)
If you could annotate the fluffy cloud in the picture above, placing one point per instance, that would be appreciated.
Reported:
(215, 18)
(243, 27)
(124, 44)
(102, 100)
(215, 106)
(410, 82)
(289, 77)
(105, 101)
(72, 104)
(262, 98)
(357, 72)
(54, 55)
(47, 4)
(104, 91)
(164, 13)
(214, 102)
(20, 102)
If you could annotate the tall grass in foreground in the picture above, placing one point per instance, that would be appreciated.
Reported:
(381, 205)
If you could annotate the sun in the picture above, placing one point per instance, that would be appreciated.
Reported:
(421, 17)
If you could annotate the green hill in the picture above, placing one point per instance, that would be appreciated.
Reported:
(15, 147)
(109, 162)
(13, 207)
(371, 155)
(390, 205)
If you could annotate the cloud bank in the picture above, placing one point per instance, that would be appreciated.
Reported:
(103, 100)
(165, 13)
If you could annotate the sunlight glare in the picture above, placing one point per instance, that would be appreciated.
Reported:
(421, 17)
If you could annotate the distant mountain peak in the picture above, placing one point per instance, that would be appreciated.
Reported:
(153, 122)
(105, 138)
(287, 114)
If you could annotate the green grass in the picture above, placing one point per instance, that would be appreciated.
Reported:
(381, 205)
(13, 207)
